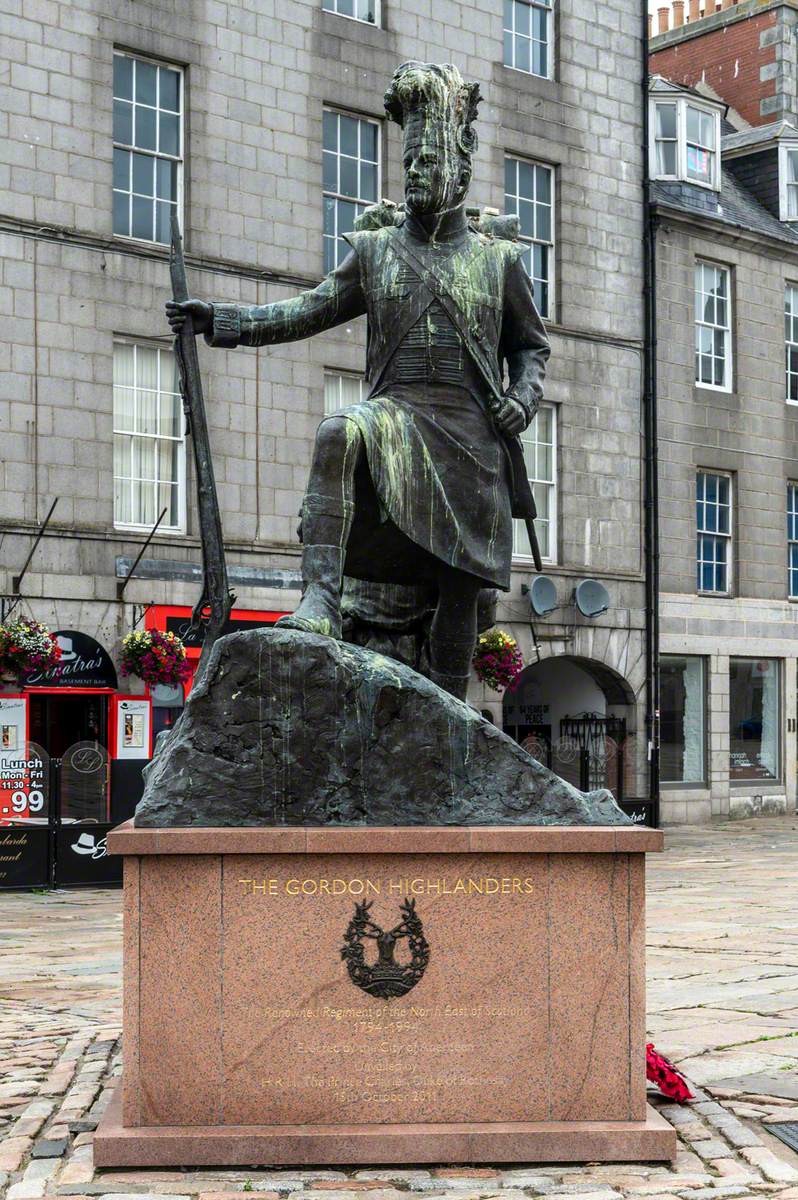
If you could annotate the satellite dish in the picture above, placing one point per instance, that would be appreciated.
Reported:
(543, 596)
(592, 598)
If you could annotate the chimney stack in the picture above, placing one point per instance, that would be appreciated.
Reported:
(695, 10)
(650, 25)
(678, 13)
(662, 14)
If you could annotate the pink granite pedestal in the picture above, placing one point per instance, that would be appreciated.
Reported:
(246, 1041)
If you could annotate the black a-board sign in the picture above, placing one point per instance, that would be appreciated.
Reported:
(82, 857)
(24, 855)
(642, 812)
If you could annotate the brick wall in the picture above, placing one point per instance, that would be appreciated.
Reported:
(738, 59)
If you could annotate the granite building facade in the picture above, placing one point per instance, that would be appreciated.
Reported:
(262, 125)
(725, 205)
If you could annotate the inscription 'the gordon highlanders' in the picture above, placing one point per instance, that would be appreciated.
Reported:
(484, 886)
(386, 978)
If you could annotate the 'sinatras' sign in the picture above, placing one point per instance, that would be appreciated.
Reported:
(84, 664)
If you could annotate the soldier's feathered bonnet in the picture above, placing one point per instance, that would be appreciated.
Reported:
(432, 103)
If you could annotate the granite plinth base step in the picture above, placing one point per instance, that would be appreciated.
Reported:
(116, 1145)
(374, 995)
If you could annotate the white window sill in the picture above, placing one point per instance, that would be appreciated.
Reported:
(708, 187)
(529, 74)
(526, 560)
(172, 530)
(346, 17)
(713, 387)
(123, 237)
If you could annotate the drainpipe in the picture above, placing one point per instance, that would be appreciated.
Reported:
(651, 534)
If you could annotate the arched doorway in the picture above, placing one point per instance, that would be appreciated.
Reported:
(577, 716)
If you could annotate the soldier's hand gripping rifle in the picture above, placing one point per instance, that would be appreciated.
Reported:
(212, 610)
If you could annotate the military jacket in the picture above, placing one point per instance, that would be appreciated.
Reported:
(484, 275)
(442, 483)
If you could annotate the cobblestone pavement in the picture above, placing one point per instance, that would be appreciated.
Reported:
(723, 1002)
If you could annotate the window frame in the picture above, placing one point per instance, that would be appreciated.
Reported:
(375, 24)
(728, 537)
(551, 558)
(728, 356)
(325, 194)
(546, 6)
(777, 778)
(182, 506)
(792, 513)
(684, 784)
(180, 159)
(682, 103)
(551, 282)
(337, 373)
(785, 148)
(788, 343)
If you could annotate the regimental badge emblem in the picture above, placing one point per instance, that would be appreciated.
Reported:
(385, 978)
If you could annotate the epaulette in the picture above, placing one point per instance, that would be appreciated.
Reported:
(488, 222)
(379, 216)
(491, 223)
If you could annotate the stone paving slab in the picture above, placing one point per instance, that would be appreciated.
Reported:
(722, 1002)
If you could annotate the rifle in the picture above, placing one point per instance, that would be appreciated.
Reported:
(212, 610)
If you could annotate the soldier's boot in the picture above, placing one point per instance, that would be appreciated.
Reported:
(450, 664)
(326, 522)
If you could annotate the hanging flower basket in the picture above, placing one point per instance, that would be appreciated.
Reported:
(25, 646)
(497, 660)
(155, 657)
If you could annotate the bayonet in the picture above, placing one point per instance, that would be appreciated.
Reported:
(212, 610)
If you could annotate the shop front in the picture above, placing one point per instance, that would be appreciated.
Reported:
(724, 732)
(72, 751)
(73, 747)
(167, 702)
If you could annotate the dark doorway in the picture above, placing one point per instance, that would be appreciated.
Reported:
(58, 721)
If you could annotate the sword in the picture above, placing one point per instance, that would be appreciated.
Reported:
(212, 610)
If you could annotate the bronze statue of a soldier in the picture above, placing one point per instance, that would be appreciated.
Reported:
(418, 484)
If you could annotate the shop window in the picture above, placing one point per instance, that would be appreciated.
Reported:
(682, 719)
(149, 442)
(351, 178)
(540, 455)
(148, 148)
(754, 718)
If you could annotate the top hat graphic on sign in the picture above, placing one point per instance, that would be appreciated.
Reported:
(67, 653)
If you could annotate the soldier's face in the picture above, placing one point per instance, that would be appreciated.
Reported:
(427, 180)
